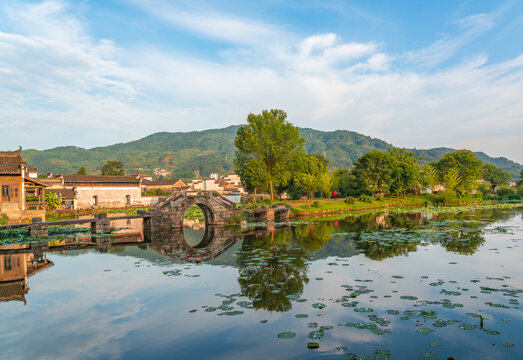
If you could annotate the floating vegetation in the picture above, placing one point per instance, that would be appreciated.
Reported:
(424, 330)
(301, 316)
(363, 310)
(508, 345)
(286, 335)
(382, 354)
(318, 305)
(428, 355)
(408, 297)
(313, 345)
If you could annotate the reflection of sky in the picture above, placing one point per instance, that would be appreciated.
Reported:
(107, 306)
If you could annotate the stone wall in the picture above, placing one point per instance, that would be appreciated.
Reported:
(108, 197)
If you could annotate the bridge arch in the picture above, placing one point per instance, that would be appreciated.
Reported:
(169, 213)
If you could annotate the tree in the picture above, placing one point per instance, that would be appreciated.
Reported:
(113, 168)
(312, 175)
(375, 170)
(405, 171)
(346, 183)
(428, 176)
(495, 175)
(468, 167)
(254, 176)
(81, 171)
(451, 179)
(270, 138)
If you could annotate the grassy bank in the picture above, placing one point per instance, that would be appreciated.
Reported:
(340, 206)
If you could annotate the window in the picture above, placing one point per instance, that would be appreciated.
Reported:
(95, 200)
(5, 190)
(7, 263)
(128, 199)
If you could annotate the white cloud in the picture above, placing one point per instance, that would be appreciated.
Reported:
(58, 88)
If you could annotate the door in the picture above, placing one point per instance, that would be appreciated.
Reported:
(6, 191)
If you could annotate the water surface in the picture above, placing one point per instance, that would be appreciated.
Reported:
(404, 286)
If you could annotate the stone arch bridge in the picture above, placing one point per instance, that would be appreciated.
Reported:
(170, 212)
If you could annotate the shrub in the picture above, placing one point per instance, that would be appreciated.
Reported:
(350, 200)
(365, 198)
(316, 204)
(504, 192)
(3, 219)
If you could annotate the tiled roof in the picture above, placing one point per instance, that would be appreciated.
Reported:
(66, 193)
(37, 181)
(11, 162)
(100, 179)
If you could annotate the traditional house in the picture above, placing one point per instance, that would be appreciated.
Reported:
(97, 191)
(21, 197)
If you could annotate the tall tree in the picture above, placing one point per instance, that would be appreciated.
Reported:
(451, 179)
(405, 171)
(113, 168)
(270, 138)
(81, 171)
(428, 176)
(469, 168)
(254, 176)
(495, 175)
(375, 169)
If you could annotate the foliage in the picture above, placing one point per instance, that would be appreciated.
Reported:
(451, 179)
(312, 175)
(52, 200)
(428, 176)
(375, 170)
(495, 175)
(271, 139)
(254, 176)
(346, 183)
(156, 192)
(365, 199)
(81, 171)
(112, 167)
(404, 174)
(194, 212)
(3, 219)
(464, 162)
(350, 200)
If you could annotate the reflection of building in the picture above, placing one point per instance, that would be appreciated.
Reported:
(15, 269)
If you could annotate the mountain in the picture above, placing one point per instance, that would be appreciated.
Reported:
(213, 151)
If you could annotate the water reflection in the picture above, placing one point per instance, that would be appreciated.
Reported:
(17, 264)
(272, 272)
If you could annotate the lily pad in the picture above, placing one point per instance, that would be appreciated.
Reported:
(286, 335)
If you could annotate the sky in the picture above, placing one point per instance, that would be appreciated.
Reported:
(413, 73)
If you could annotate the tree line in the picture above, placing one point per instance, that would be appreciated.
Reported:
(270, 157)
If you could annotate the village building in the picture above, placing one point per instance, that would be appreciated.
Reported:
(98, 191)
(21, 196)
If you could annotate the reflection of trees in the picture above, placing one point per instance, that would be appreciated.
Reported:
(268, 274)
(376, 251)
(313, 236)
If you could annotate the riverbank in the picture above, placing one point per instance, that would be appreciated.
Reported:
(333, 207)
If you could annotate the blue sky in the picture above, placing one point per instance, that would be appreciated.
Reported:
(414, 73)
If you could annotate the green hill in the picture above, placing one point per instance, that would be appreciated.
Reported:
(213, 151)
